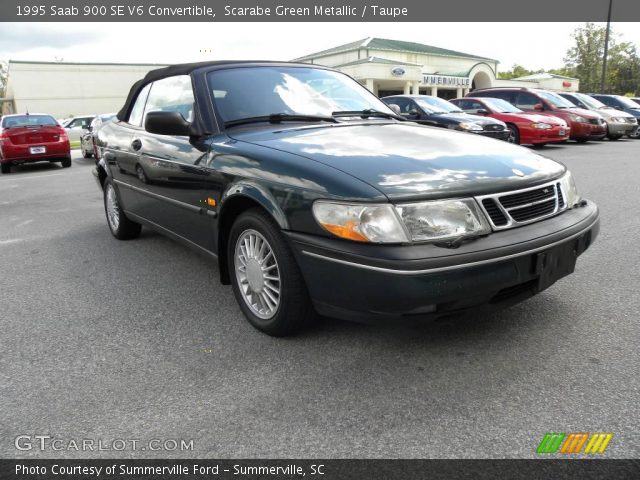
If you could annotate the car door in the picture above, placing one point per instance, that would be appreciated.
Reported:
(178, 190)
(120, 158)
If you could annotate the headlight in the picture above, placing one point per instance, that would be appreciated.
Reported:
(577, 118)
(617, 120)
(437, 220)
(443, 219)
(470, 126)
(541, 126)
(570, 190)
(362, 223)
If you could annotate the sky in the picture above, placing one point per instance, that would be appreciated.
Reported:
(532, 45)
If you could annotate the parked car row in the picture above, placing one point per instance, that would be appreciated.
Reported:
(526, 116)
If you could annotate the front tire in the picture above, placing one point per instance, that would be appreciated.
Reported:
(514, 134)
(86, 154)
(6, 167)
(121, 227)
(266, 280)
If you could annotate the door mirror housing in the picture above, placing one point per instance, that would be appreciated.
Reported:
(482, 111)
(167, 123)
(395, 108)
(413, 113)
(538, 107)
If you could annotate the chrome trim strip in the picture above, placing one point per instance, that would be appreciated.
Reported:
(172, 201)
(450, 267)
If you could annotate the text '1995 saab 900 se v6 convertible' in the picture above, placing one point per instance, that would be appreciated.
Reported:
(315, 197)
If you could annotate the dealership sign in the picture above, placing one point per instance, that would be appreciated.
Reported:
(445, 81)
(398, 71)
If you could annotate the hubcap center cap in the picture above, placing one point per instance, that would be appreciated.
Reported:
(254, 275)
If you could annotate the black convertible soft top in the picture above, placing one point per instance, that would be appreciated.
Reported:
(185, 69)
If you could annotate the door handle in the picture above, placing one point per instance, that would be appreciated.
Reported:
(136, 144)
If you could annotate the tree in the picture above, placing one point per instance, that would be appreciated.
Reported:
(585, 59)
(515, 72)
(4, 75)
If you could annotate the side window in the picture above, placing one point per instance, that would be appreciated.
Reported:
(173, 94)
(526, 101)
(135, 117)
(400, 102)
(470, 106)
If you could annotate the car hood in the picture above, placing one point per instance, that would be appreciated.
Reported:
(534, 118)
(467, 117)
(406, 160)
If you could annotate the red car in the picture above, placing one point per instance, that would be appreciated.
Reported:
(585, 125)
(525, 128)
(32, 138)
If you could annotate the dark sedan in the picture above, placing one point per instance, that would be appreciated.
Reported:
(315, 197)
(437, 112)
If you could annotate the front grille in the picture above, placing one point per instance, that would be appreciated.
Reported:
(512, 209)
(596, 121)
(497, 217)
(493, 127)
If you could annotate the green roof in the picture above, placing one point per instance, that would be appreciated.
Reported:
(378, 60)
(374, 43)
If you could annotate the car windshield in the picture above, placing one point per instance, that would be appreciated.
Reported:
(627, 102)
(436, 105)
(590, 101)
(555, 99)
(501, 106)
(251, 92)
(27, 121)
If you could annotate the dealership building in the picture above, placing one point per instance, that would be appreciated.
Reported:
(392, 67)
(386, 67)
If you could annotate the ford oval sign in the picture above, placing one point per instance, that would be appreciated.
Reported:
(398, 71)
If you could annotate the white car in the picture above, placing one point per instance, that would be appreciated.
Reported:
(86, 142)
(77, 126)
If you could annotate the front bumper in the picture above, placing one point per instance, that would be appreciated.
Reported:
(368, 283)
(621, 128)
(499, 135)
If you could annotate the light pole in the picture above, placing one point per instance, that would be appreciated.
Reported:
(606, 49)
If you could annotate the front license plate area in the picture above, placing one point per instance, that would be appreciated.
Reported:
(562, 132)
(36, 150)
(554, 263)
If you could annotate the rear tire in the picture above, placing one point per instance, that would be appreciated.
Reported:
(266, 279)
(86, 154)
(538, 146)
(66, 163)
(582, 140)
(121, 227)
(6, 168)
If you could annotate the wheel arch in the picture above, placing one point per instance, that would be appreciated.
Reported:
(236, 200)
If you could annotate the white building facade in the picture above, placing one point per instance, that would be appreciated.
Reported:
(69, 89)
(391, 67)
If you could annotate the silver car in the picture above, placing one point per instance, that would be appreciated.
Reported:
(619, 123)
(86, 142)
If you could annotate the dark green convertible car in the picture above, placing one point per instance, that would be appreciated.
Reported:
(316, 198)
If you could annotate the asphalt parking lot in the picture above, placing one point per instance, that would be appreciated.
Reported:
(103, 339)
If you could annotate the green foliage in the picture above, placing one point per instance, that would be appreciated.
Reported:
(4, 73)
(585, 59)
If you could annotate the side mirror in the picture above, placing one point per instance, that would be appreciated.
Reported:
(167, 123)
(89, 128)
(618, 107)
(413, 114)
(395, 108)
(538, 107)
(482, 111)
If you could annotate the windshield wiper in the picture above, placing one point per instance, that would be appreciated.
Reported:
(370, 112)
(280, 117)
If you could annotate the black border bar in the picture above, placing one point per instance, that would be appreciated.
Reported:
(318, 11)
